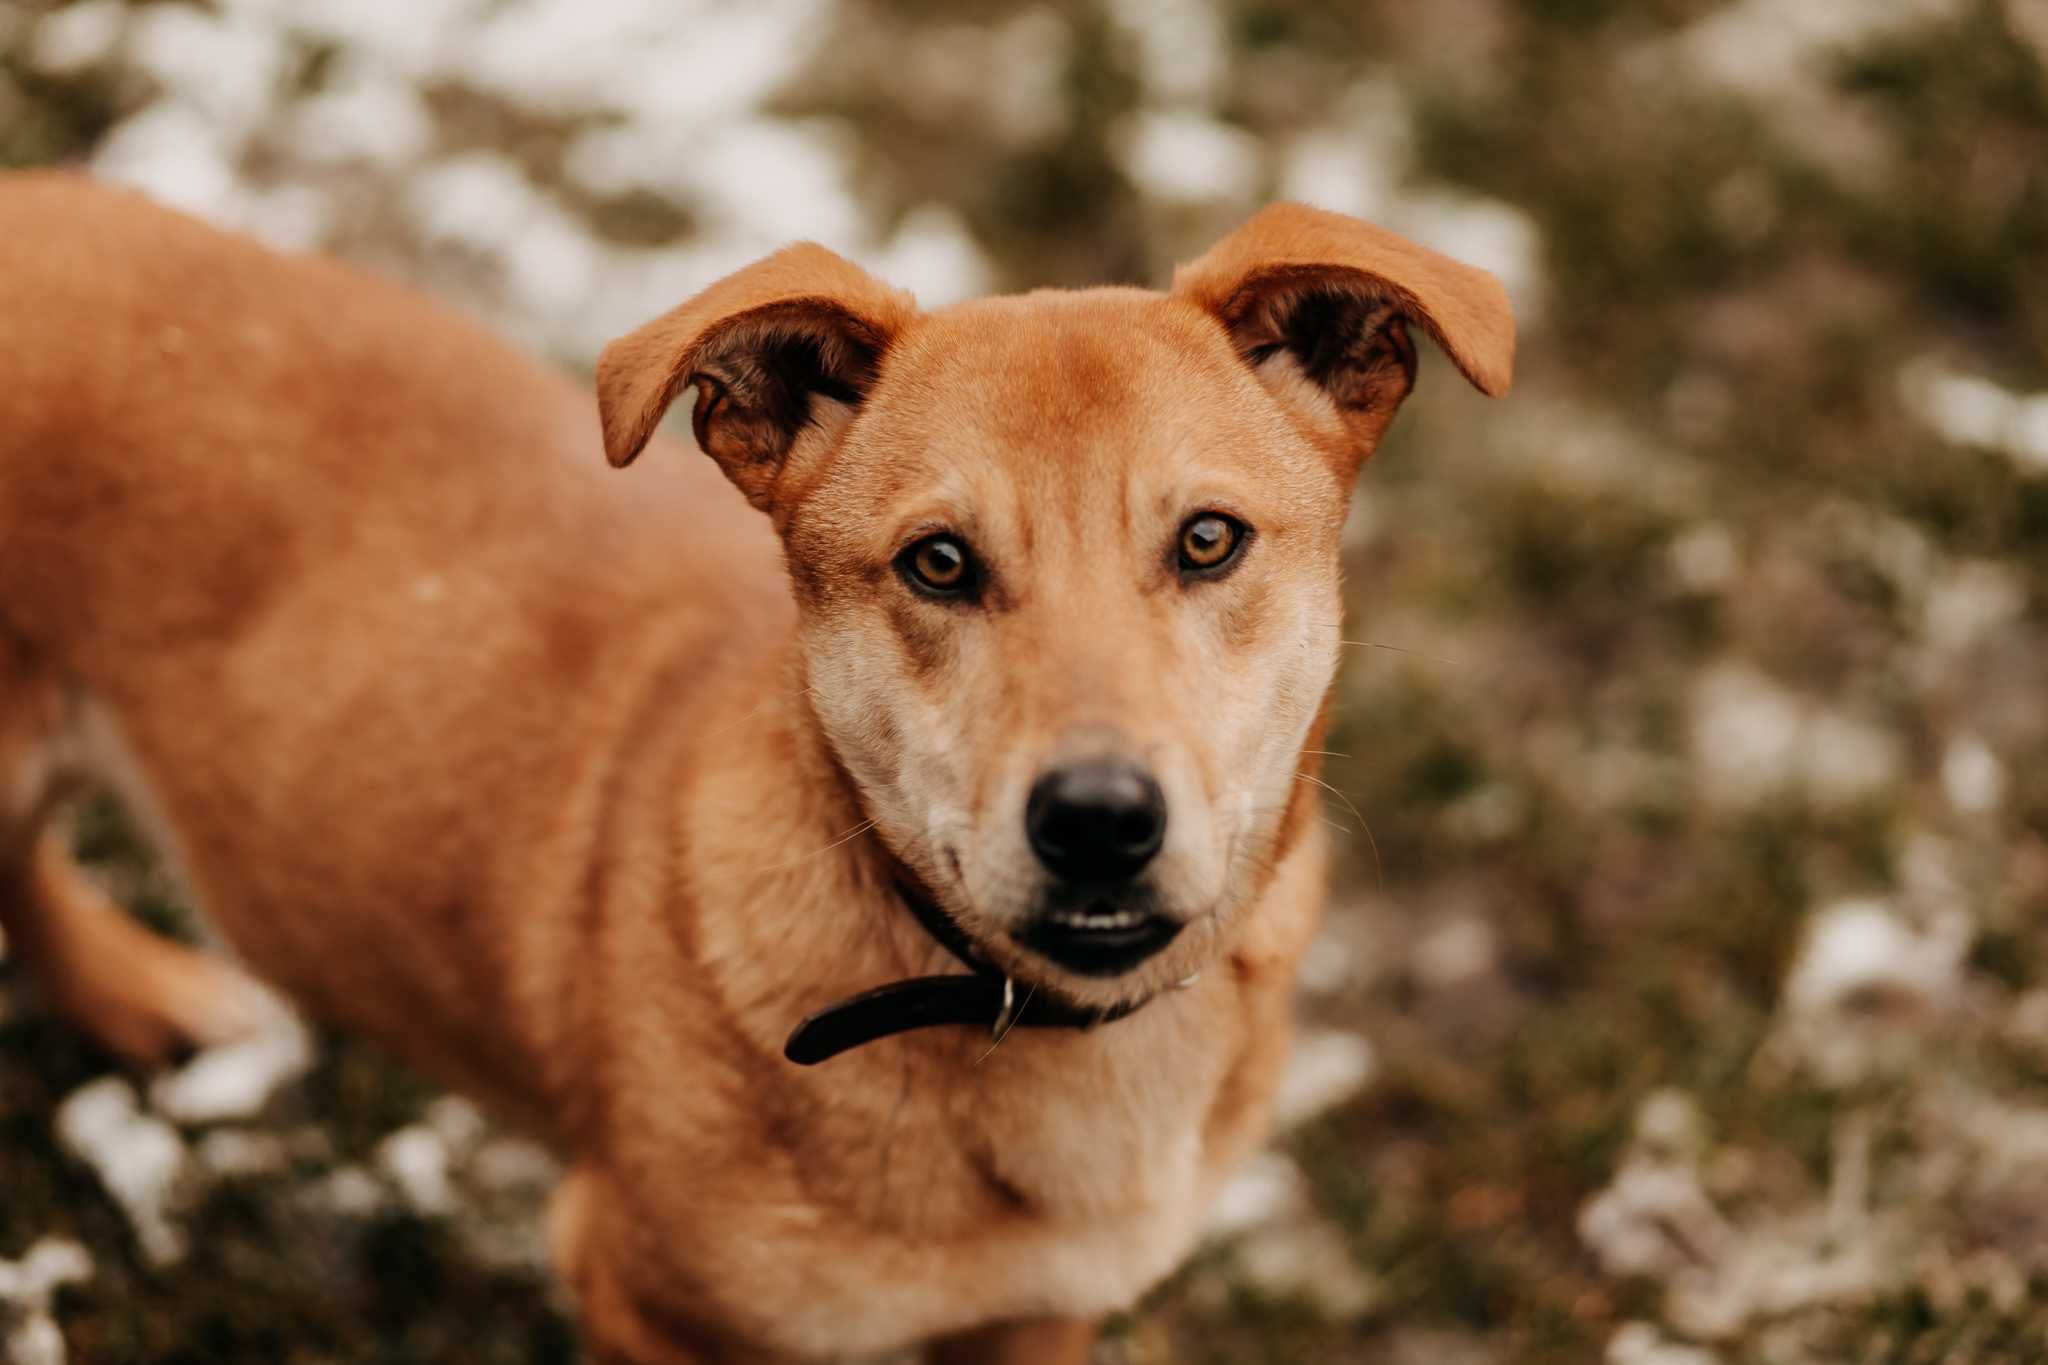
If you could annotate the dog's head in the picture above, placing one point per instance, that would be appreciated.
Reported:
(1067, 563)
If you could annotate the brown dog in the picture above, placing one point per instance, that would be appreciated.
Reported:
(580, 790)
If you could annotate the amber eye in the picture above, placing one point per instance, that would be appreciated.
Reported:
(938, 566)
(1208, 542)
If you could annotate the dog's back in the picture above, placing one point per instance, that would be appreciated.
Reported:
(280, 482)
(161, 375)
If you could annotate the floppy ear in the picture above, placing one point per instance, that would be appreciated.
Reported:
(780, 353)
(1319, 304)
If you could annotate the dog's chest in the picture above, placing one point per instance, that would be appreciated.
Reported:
(1067, 1188)
(893, 1289)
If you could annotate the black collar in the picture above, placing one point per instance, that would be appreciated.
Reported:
(985, 999)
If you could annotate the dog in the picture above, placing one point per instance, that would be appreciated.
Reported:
(887, 905)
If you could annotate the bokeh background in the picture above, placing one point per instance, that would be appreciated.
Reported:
(1683, 997)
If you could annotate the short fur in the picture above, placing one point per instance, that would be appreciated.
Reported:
(553, 780)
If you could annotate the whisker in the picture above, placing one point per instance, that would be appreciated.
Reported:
(808, 691)
(1402, 649)
(854, 833)
(1379, 870)
(1030, 989)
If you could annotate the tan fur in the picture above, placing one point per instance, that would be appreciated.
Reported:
(554, 781)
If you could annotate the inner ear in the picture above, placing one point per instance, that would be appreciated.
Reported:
(760, 379)
(1343, 332)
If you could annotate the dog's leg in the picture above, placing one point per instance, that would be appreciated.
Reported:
(140, 995)
(137, 993)
(1045, 1341)
(615, 1330)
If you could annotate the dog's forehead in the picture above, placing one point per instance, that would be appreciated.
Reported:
(1097, 351)
(1094, 381)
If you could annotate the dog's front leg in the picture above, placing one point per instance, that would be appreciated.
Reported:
(1042, 1341)
(616, 1329)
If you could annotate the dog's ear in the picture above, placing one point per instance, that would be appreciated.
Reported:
(779, 351)
(1318, 304)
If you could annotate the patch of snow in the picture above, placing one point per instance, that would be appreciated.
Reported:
(1752, 740)
(777, 181)
(175, 155)
(1355, 163)
(1972, 777)
(1847, 760)
(1330, 965)
(1745, 733)
(228, 67)
(235, 1080)
(458, 1123)
(1268, 1187)
(1328, 169)
(1969, 410)
(550, 262)
(49, 1265)
(1183, 48)
(290, 216)
(691, 61)
(1654, 1218)
(1703, 558)
(1307, 1262)
(416, 1161)
(1770, 48)
(1489, 233)
(637, 155)
(1460, 948)
(243, 1154)
(2028, 20)
(506, 1165)
(1970, 602)
(347, 1192)
(935, 257)
(1571, 450)
(477, 200)
(1184, 157)
(1670, 1127)
(413, 39)
(365, 117)
(1326, 1068)
(1009, 76)
(75, 38)
(1781, 1267)
(1639, 1343)
(1859, 949)
(1033, 52)
(137, 1156)
(34, 1341)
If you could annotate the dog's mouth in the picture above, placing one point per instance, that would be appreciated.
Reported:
(1098, 939)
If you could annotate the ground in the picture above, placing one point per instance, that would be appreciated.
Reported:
(1682, 1000)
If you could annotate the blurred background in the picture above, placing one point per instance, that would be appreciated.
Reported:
(1683, 996)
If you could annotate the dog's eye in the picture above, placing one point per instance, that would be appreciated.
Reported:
(1209, 542)
(938, 566)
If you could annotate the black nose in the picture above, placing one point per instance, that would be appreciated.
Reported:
(1097, 822)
